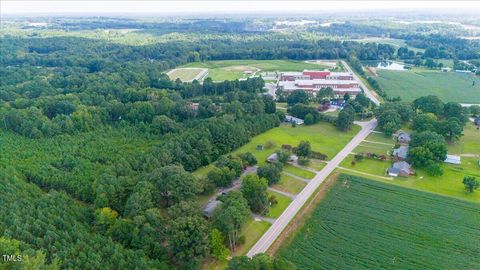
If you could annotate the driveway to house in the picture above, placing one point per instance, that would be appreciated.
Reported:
(280, 223)
(367, 91)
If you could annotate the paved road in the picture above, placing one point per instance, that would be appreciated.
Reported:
(367, 91)
(280, 223)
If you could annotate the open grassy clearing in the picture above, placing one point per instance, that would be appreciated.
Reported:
(289, 184)
(298, 171)
(252, 231)
(364, 224)
(449, 184)
(277, 210)
(323, 137)
(469, 143)
(368, 147)
(185, 74)
(236, 69)
(316, 164)
(379, 137)
(450, 86)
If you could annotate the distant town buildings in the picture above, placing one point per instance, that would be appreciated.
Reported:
(312, 81)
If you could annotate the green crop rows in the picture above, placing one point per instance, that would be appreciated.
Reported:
(363, 224)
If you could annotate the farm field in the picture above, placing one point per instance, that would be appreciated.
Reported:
(236, 69)
(409, 85)
(364, 224)
(186, 74)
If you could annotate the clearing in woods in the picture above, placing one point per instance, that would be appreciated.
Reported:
(187, 74)
(365, 224)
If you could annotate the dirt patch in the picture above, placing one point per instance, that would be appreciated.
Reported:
(303, 215)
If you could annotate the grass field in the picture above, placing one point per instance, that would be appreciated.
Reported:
(364, 224)
(450, 86)
(235, 69)
(185, 74)
(469, 143)
(323, 137)
(289, 184)
(277, 210)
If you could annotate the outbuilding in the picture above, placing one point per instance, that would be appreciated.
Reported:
(452, 159)
(209, 209)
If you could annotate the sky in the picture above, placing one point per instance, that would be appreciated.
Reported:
(222, 6)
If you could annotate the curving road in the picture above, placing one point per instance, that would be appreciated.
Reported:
(280, 223)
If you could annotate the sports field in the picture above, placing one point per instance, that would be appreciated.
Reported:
(187, 74)
(450, 86)
(237, 69)
(364, 224)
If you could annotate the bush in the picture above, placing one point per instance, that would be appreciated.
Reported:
(303, 161)
(318, 155)
(241, 240)
(434, 168)
(248, 158)
(270, 144)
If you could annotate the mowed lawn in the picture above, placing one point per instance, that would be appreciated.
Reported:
(235, 69)
(184, 74)
(450, 86)
(469, 143)
(282, 203)
(323, 137)
(364, 224)
(289, 184)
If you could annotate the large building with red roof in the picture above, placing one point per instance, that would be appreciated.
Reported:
(312, 81)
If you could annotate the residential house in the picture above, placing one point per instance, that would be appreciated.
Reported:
(400, 168)
(400, 153)
(209, 209)
(476, 121)
(403, 137)
(292, 119)
(452, 159)
(274, 158)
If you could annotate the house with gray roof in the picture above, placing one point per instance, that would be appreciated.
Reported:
(400, 153)
(400, 168)
(209, 209)
(403, 137)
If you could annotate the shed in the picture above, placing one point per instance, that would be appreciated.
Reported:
(260, 147)
(452, 159)
(476, 121)
(209, 209)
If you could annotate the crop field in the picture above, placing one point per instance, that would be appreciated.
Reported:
(237, 69)
(364, 224)
(450, 86)
(186, 74)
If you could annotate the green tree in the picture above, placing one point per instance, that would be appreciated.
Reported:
(298, 96)
(217, 248)
(254, 189)
(188, 241)
(309, 120)
(231, 215)
(304, 149)
(248, 158)
(222, 177)
(429, 104)
(345, 118)
(424, 122)
(271, 172)
(451, 129)
(283, 155)
(471, 183)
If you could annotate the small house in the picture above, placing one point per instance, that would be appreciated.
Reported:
(209, 209)
(446, 69)
(260, 147)
(452, 159)
(403, 137)
(400, 153)
(400, 168)
(292, 119)
(272, 158)
(476, 121)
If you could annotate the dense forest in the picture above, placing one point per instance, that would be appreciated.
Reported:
(98, 145)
